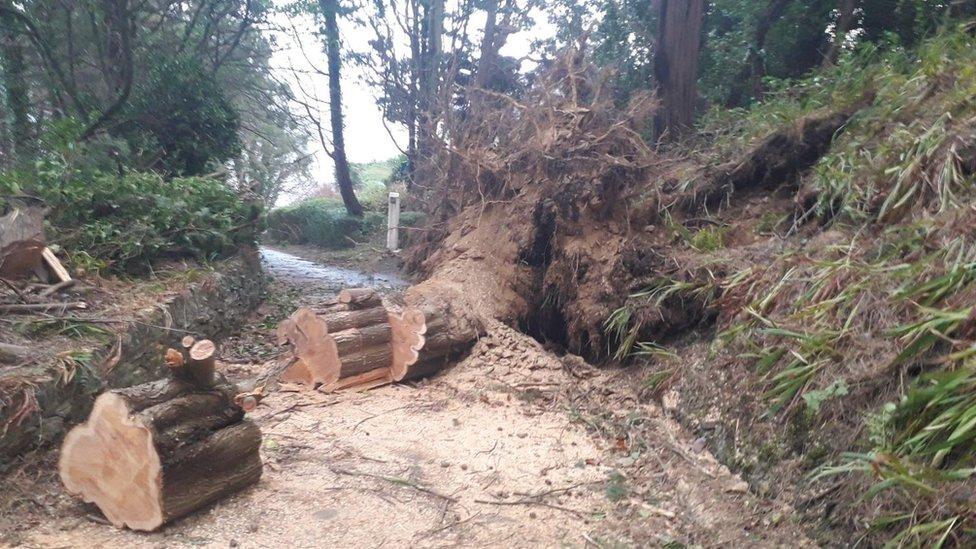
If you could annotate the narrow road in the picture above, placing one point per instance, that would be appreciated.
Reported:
(512, 447)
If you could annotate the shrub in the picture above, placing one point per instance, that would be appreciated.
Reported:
(126, 221)
(322, 222)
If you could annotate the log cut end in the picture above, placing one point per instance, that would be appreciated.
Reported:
(315, 350)
(408, 339)
(111, 461)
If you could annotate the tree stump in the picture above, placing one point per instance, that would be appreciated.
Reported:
(21, 239)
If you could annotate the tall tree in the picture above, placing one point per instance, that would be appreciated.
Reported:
(750, 80)
(676, 62)
(15, 82)
(330, 11)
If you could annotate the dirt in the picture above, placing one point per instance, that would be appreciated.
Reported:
(512, 447)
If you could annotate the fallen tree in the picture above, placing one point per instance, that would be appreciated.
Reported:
(539, 207)
(155, 452)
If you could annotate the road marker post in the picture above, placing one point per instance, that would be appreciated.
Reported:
(393, 223)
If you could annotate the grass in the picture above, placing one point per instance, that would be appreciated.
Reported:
(74, 328)
(624, 324)
(874, 332)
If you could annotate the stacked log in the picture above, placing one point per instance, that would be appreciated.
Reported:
(356, 342)
(152, 453)
(341, 345)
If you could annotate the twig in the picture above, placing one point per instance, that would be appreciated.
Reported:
(54, 288)
(395, 480)
(453, 524)
(13, 287)
(31, 307)
(556, 490)
(299, 405)
(531, 502)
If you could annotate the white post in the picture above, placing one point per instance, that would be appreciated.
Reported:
(393, 223)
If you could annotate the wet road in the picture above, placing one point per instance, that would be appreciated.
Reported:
(294, 269)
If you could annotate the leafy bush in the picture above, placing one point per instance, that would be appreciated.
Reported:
(412, 219)
(320, 221)
(125, 221)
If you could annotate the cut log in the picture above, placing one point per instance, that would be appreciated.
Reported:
(358, 339)
(338, 320)
(155, 452)
(336, 344)
(424, 335)
(201, 363)
(250, 400)
(174, 360)
(360, 298)
(307, 333)
(21, 239)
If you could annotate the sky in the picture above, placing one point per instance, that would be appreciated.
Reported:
(300, 60)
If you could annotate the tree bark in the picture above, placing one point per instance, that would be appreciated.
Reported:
(431, 47)
(330, 9)
(676, 62)
(155, 452)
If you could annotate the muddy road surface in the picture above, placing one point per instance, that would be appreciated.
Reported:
(511, 447)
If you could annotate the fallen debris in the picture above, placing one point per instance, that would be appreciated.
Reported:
(35, 307)
(10, 353)
(21, 239)
(54, 266)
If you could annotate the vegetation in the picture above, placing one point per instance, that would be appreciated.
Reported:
(840, 292)
(122, 221)
(326, 222)
(824, 332)
(322, 222)
(136, 125)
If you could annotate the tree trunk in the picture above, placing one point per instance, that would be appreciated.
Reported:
(155, 452)
(676, 62)
(18, 101)
(845, 17)
(489, 53)
(357, 341)
(754, 69)
(429, 86)
(330, 9)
